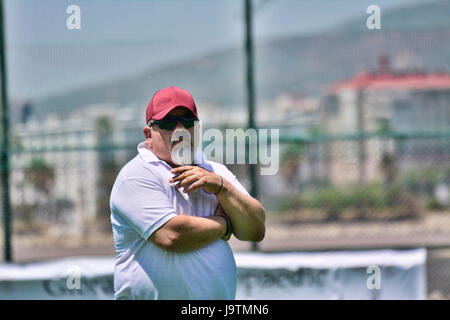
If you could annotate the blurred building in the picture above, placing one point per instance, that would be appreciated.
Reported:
(413, 102)
(78, 153)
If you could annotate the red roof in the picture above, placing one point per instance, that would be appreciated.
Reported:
(392, 81)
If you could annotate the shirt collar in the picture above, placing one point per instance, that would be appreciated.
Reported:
(148, 156)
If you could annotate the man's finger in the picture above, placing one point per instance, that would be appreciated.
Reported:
(181, 169)
(194, 186)
(186, 181)
(177, 178)
(181, 176)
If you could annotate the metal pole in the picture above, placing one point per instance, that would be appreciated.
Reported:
(250, 93)
(362, 144)
(4, 157)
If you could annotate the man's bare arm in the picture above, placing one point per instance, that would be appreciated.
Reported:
(186, 233)
(247, 215)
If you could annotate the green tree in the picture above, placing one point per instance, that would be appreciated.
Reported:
(107, 168)
(41, 175)
(291, 160)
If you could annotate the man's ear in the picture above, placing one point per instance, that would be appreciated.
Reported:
(147, 132)
(148, 136)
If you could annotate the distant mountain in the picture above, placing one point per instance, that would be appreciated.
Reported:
(413, 37)
(419, 17)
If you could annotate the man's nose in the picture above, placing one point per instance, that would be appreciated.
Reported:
(179, 125)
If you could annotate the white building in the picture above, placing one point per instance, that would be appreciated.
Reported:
(404, 102)
(69, 147)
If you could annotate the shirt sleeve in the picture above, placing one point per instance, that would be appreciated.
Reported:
(227, 174)
(143, 204)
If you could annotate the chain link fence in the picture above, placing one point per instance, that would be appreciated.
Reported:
(320, 181)
(326, 195)
(365, 192)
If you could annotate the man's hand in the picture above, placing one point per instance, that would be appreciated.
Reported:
(195, 177)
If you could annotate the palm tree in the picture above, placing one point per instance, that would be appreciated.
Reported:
(107, 168)
(291, 160)
(41, 175)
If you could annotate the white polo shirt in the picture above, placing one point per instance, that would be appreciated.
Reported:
(142, 200)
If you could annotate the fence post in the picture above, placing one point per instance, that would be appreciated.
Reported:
(5, 143)
(250, 94)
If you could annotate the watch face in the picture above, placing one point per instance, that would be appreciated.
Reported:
(228, 226)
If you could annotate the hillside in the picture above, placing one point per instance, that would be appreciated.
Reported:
(417, 36)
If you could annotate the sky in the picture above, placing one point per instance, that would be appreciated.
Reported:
(119, 38)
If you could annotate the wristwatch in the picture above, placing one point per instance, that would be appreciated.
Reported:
(228, 221)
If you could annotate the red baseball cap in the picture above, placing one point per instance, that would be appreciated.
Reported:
(167, 99)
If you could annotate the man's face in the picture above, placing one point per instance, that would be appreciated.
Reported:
(160, 140)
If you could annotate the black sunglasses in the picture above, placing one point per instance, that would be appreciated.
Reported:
(169, 122)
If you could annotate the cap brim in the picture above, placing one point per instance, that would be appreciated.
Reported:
(164, 113)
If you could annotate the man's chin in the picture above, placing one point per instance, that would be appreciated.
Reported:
(181, 161)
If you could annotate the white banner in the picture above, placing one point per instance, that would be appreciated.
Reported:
(377, 274)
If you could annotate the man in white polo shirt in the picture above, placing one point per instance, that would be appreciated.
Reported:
(171, 222)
